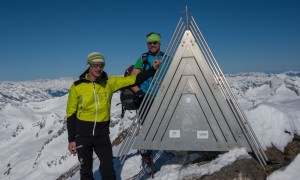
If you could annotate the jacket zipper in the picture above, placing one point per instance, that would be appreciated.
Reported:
(81, 106)
(106, 95)
(96, 104)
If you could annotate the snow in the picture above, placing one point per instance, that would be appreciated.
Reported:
(289, 172)
(175, 171)
(33, 138)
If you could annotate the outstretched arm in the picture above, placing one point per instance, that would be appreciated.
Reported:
(135, 88)
(144, 75)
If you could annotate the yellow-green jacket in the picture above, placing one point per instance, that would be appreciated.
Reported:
(89, 103)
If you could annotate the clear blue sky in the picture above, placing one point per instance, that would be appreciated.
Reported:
(51, 38)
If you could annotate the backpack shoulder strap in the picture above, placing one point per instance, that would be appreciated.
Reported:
(128, 70)
(145, 60)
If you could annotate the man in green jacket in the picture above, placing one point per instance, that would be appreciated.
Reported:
(88, 114)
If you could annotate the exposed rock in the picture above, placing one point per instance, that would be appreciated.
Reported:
(278, 159)
(248, 169)
(241, 169)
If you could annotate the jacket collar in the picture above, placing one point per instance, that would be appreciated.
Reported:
(103, 77)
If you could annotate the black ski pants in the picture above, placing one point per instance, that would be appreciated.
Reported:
(103, 149)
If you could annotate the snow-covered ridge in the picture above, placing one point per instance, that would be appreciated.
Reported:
(18, 92)
(252, 89)
(248, 87)
(33, 137)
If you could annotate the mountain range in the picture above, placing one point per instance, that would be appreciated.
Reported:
(33, 136)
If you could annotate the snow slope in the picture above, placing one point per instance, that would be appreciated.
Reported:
(33, 137)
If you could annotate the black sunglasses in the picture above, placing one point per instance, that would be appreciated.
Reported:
(155, 42)
(101, 65)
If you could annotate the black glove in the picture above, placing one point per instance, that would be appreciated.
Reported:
(139, 96)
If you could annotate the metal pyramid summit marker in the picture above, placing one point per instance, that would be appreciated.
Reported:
(190, 111)
(193, 106)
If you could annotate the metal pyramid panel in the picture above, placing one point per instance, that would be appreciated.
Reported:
(190, 112)
(194, 108)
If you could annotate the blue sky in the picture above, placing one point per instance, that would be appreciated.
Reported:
(42, 39)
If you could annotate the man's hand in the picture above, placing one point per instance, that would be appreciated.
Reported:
(72, 148)
(156, 64)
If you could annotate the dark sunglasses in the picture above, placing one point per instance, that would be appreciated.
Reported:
(155, 42)
(101, 65)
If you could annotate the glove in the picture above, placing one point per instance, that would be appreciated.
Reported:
(139, 96)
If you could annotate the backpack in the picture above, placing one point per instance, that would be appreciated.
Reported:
(127, 96)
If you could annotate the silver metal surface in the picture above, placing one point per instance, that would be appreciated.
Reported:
(193, 106)
(190, 111)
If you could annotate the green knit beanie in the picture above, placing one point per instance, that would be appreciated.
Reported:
(95, 57)
(153, 37)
